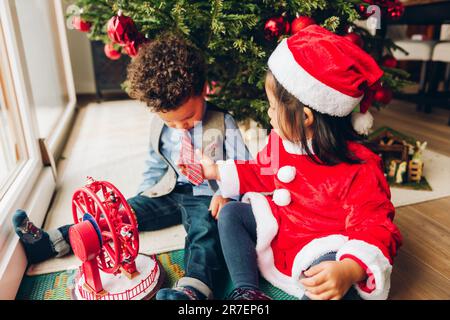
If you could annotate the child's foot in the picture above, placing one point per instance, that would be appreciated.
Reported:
(180, 293)
(40, 245)
(247, 294)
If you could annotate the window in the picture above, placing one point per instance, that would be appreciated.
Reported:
(13, 150)
(12, 154)
(44, 61)
(40, 29)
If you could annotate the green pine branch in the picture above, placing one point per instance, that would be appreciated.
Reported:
(231, 34)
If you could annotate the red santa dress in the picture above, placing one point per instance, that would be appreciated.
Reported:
(304, 210)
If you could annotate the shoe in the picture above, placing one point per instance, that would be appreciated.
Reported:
(247, 294)
(36, 241)
(180, 293)
(26, 229)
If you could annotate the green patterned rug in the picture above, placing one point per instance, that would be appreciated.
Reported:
(57, 286)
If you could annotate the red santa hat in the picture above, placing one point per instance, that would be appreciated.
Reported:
(326, 72)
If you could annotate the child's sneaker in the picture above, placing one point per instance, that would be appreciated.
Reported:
(247, 294)
(180, 293)
(37, 243)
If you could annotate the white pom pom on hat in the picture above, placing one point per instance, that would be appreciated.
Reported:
(362, 122)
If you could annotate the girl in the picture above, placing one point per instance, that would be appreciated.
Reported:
(316, 215)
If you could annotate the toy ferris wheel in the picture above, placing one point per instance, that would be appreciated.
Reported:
(105, 237)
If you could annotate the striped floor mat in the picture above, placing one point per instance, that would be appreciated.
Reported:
(57, 286)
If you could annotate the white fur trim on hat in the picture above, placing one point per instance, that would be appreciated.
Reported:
(305, 87)
(281, 197)
(286, 174)
(362, 122)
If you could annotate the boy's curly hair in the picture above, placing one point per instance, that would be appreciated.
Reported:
(166, 73)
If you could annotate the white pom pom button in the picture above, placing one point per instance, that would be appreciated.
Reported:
(286, 174)
(281, 197)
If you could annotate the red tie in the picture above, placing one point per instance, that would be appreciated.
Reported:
(193, 168)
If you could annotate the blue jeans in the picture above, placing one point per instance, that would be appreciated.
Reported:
(202, 256)
(237, 231)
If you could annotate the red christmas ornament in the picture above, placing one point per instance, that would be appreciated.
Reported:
(389, 61)
(275, 27)
(80, 25)
(300, 23)
(355, 38)
(362, 10)
(395, 9)
(132, 48)
(121, 29)
(392, 9)
(383, 95)
(110, 52)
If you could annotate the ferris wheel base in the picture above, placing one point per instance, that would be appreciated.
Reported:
(142, 286)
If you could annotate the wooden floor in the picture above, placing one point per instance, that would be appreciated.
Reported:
(422, 267)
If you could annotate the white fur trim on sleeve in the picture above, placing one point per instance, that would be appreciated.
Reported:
(376, 262)
(229, 178)
(313, 251)
(305, 87)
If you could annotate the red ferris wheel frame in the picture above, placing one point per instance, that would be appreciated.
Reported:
(116, 224)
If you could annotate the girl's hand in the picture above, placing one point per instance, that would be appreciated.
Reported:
(330, 280)
(216, 205)
(210, 169)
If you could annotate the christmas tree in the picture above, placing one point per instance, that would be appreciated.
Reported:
(237, 38)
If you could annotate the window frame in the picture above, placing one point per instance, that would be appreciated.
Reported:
(19, 93)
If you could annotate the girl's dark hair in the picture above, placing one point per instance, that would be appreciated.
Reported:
(331, 134)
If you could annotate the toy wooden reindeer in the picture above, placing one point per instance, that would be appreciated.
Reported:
(415, 169)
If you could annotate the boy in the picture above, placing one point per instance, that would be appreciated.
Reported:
(169, 75)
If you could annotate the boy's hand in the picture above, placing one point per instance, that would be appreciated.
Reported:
(217, 202)
(210, 169)
(330, 280)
